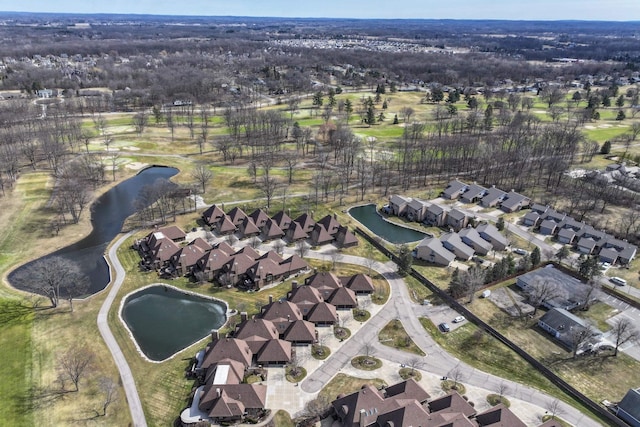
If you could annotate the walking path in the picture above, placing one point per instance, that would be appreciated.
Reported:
(437, 361)
(118, 275)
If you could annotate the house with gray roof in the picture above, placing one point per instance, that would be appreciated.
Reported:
(457, 219)
(435, 216)
(531, 219)
(430, 249)
(473, 194)
(568, 290)
(491, 234)
(416, 210)
(454, 190)
(471, 237)
(493, 198)
(586, 245)
(562, 325)
(398, 204)
(548, 227)
(539, 209)
(567, 236)
(514, 202)
(629, 408)
(454, 243)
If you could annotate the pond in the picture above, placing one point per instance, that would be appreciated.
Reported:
(108, 214)
(164, 320)
(368, 216)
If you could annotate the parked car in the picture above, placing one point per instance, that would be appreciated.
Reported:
(618, 281)
(459, 319)
(444, 327)
(520, 251)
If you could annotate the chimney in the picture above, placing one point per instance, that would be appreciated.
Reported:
(270, 299)
(294, 285)
(243, 316)
(335, 216)
(362, 418)
(214, 335)
(218, 392)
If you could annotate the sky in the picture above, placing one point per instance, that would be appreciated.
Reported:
(605, 10)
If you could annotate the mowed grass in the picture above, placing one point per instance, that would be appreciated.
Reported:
(598, 377)
(394, 335)
(16, 321)
(344, 384)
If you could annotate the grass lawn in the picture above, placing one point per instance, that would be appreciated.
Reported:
(394, 335)
(344, 384)
(16, 321)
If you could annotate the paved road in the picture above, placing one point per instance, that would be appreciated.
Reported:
(118, 275)
(437, 360)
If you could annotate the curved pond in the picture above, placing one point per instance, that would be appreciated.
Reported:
(164, 320)
(368, 216)
(108, 214)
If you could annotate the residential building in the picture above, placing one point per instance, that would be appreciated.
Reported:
(416, 210)
(431, 249)
(435, 216)
(491, 234)
(473, 194)
(454, 190)
(398, 204)
(493, 197)
(471, 237)
(628, 409)
(562, 325)
(457, 219)
(513, 202)
(454, 243)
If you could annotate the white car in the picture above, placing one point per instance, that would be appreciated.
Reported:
(520, 251)
(459, 319)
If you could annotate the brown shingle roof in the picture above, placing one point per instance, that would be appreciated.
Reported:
(330, 224)
(225, 225)
(343, 297)
(212, 214)
(323, 281)
(214, 260)
(272, 230)
(306, 222)
(296, 232)
(359, 283)
(305, 297)
(227, 348)
(452, 402)
(281, 311)
(259, 217)
(201, 243)
(499, 416)
(323, 312)
(236, 215)
(283, 220)
(275, 351)
(256, 332)
(320, 235)
(300, 331)
(172, 232)
(293, 264)
(248, 228)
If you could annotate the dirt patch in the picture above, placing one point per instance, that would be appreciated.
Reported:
(136, 165)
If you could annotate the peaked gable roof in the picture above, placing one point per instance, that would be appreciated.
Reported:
(306, 222)
(274, 351)
(259, 217)
(296, 231)
(212, 214)
(227, 348)
(343, 297)
(358, 283)
(330, 224)
(323, 312)
(173, 232)
(282, 220)
(320, 235)
(300, 331)
(499, 416)
(272, 230)
(236, 215)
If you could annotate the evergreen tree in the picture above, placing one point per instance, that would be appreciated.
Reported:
(371, 116)
(500, 224)
(395, 119)
(535, 257)
(606, 147)
(405, 259)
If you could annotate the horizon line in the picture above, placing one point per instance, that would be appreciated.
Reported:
(315, 17)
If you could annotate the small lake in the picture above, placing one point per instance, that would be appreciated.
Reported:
(164, 320)
(368, 216)
(108, 214)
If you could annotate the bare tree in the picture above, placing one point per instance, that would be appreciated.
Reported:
(139, 122)
(109, 390)
(202, 174)
(278, 246)
(623, 332)
(335, 256)
(502, 389)
(255, 242)
(542, 291)
(555, 408)
(302, 248)
(579, 336)
(589, 292)
(416, 362)
(369, 351)
(75, 363)
(51, 277)
(456, 376)
(268, 185)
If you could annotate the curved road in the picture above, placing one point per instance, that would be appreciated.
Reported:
(117, 278)
(437, 360)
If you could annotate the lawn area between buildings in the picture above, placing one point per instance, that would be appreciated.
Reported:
(598, 377)
(394, 335)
